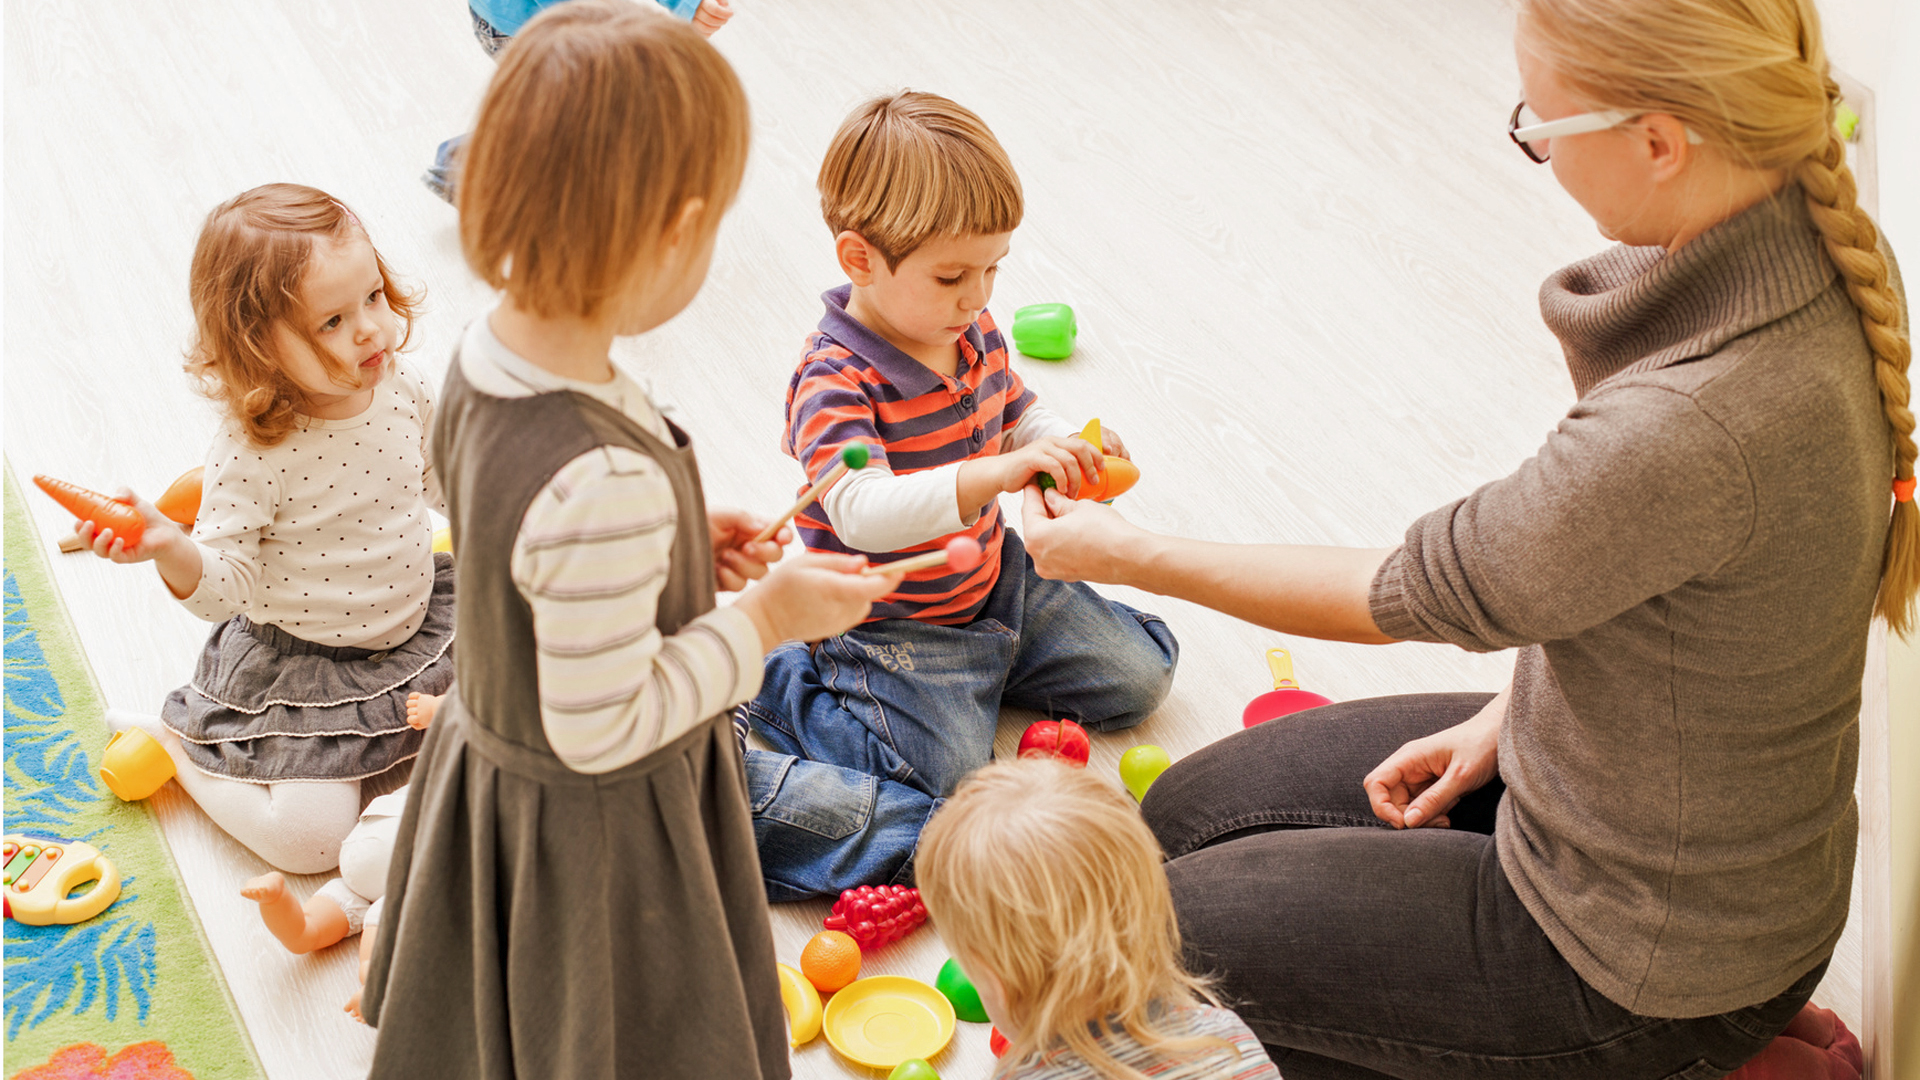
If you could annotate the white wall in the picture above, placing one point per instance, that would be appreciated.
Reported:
(1878, 43)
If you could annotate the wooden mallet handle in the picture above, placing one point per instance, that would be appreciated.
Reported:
(961, 553)
(852, 456)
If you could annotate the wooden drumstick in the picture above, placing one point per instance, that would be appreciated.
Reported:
(852, 456)
(961, 553)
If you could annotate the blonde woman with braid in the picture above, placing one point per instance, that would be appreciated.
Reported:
(1635, 861)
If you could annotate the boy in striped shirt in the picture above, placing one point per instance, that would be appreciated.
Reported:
(923, 201)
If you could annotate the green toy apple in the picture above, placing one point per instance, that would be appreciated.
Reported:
(913, 1069)
(958, 989)
(1141, 766)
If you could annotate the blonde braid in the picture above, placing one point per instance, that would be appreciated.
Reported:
(1852, 244)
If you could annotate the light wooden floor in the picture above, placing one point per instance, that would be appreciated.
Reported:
(1303, 252)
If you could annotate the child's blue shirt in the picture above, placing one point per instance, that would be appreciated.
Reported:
(508, 16)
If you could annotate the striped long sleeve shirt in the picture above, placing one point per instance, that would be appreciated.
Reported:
(590, 559)
(1237, 1056)
(920, 426)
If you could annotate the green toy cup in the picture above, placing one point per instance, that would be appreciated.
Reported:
(1045, 331)
(135, 765)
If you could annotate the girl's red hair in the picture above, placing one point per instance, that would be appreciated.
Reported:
(248, 267)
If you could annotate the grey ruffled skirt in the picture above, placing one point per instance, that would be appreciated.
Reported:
(266, 707)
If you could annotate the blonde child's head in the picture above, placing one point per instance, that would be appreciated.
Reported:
(608, 146)
(289, 297)
(908, 167)
(1751, 79)
(1047, 886)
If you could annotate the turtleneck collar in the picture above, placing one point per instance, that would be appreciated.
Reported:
(1639, 309)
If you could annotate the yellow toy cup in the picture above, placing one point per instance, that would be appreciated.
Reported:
(135, 765)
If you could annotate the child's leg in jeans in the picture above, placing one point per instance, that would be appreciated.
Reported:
(901, 700)
(296, 827)
(1084, 657)
(821, 828)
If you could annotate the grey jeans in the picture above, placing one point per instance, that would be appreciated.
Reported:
(1356, 951)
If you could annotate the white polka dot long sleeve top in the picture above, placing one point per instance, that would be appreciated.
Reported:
(591, 558)
(325, 534)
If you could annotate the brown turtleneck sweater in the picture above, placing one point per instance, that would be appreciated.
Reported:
(1688, 566)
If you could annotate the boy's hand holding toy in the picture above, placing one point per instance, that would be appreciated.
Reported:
(1069, 460)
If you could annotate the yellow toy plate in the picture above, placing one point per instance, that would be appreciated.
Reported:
(882, 1021)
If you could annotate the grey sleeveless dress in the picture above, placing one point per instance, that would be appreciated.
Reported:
(547, 923)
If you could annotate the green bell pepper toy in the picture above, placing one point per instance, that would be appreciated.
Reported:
(1045, 331)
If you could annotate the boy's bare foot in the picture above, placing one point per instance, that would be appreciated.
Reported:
(420, 709)
(352, 1007)
(301, 929)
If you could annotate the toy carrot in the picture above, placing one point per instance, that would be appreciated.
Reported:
(105, 513)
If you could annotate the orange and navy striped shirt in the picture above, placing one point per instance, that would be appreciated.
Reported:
(852, 385)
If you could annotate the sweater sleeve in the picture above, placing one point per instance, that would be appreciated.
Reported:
(1635, 493)
(591, 559)
(239, 500)
(1037, 422)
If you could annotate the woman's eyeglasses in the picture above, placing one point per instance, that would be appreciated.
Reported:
(1531, 134)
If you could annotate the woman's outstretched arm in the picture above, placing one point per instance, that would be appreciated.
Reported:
(1318, 592)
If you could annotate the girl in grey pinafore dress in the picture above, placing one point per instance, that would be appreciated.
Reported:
(543, 922)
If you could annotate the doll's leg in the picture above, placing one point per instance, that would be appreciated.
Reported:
(302, 928)
(420, 709)
(367, 936)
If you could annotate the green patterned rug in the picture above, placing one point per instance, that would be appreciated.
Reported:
(133, 993)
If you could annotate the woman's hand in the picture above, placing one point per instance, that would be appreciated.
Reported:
(813, 597)
(1422, 780)
(736, 559)
(1073, 541)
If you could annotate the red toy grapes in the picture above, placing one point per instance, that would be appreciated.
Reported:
(876, 915)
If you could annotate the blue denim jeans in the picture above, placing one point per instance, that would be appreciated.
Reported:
(918, 703)
(822, 828)
(1359, 952)
(444, 173)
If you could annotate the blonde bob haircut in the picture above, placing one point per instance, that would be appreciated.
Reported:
(248, 267)
(907, 167)
(604, 120)
(1047, 878)
(1751, 76)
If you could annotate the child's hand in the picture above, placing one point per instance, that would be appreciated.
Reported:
(1068, 460)
(171, 549)
(736, 560)
(712, 15)
(158, 535)
(1111, 443)
(813, 597)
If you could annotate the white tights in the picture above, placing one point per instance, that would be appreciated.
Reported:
(295, 826)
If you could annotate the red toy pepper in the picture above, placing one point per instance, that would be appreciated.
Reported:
(1063, 739)
(876, 915)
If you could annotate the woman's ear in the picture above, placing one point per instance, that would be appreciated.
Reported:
(858, 258)
(1664, 141)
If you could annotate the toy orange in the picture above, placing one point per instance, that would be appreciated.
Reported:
(181, 501)
(831, 960)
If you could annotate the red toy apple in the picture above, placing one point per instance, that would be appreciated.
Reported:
(1063, 739)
